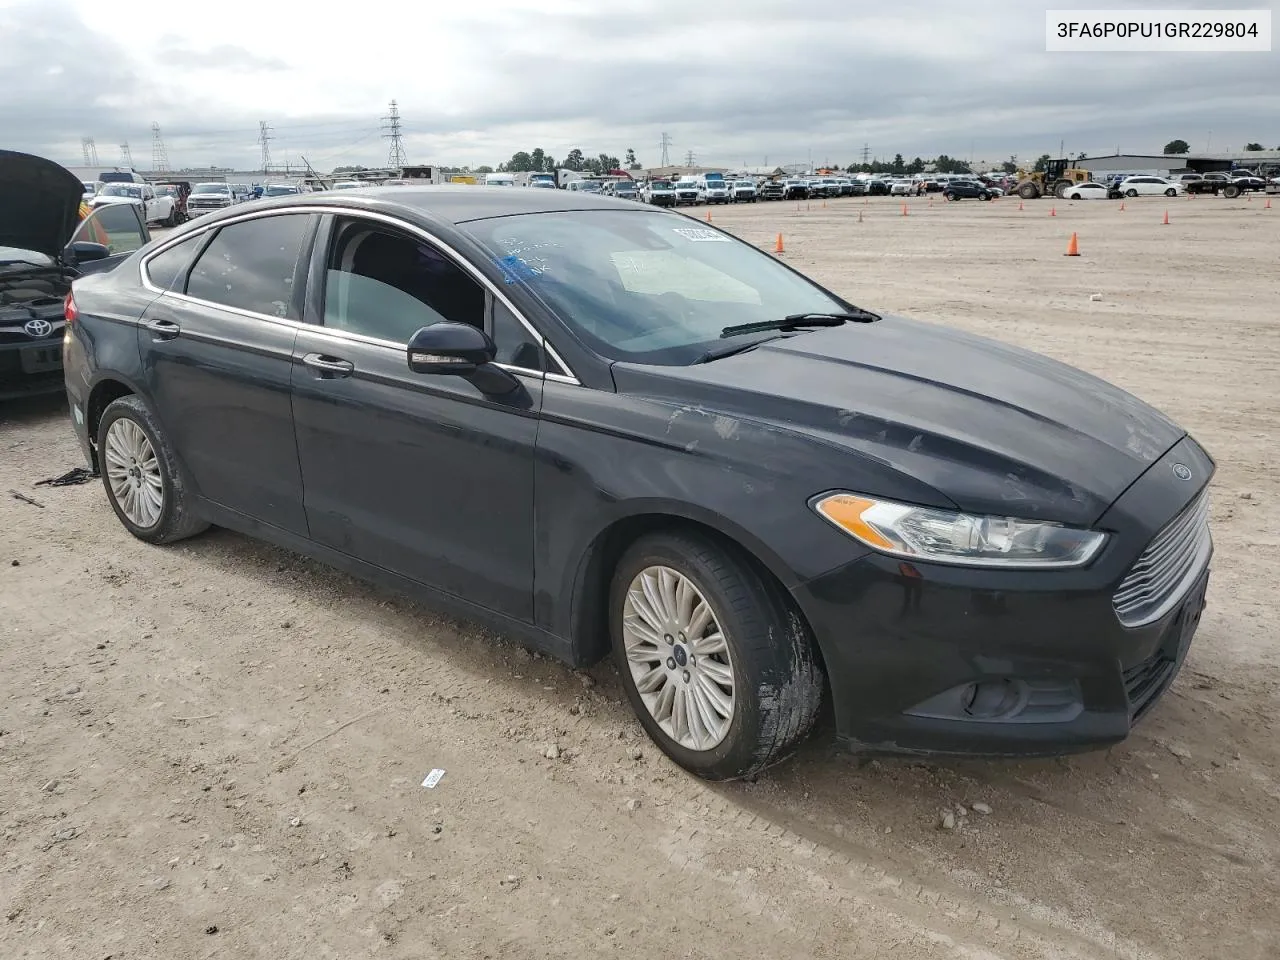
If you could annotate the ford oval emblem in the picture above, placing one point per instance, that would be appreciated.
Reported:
(1182, 471)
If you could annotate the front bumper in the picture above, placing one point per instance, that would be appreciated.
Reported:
(937, 659)
(30, 367)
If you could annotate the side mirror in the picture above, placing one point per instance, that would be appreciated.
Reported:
(460, 350)
(85, 251)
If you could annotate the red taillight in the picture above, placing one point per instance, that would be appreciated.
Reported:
(69, 310)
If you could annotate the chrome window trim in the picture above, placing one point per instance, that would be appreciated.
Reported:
(485, 282)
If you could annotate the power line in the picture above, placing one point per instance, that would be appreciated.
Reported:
(689, 158)
(126, 157)
(665, 143)
(264, 138)
(90, 151)
(395, 155)
(159, 155)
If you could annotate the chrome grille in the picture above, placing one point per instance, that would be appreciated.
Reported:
(1167, 568)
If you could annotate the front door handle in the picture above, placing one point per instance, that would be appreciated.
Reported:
(163, 329)
(332, 366)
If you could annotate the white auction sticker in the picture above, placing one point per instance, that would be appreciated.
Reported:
(701, 234)
(433, 778)
(1158, 31)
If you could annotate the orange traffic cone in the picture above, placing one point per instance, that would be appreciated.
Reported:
(1053, 211)
(824, 204)
(1166, 218)
(904, 209)
(1019, 204)
(1267, 205)
(777, 247)
(1122, 206)
(708, 216)
(1073, 247)
(859, 216)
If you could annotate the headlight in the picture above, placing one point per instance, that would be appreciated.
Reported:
(944, 536)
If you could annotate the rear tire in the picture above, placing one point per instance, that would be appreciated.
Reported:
(1131, 193)
(1171, 192)
(738, 655)
(140, 474)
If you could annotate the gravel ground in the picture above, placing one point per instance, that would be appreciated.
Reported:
(216, 749)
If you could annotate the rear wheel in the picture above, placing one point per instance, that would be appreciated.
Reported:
(1171, 192)
(1131, 193)
(140, 474)
(720, 671)
(1231, 191)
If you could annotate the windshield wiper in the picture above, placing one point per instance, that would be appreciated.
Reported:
(729, 349)
(794, 321)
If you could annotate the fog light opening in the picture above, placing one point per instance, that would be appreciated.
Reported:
(991, 699)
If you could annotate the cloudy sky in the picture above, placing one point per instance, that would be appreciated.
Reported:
(744, 82)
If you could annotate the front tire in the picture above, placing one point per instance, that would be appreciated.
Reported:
(140, 474)
(720, 671)
(1171, 192)
(1131, 193)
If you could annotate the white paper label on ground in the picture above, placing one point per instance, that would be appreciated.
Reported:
(433, 778)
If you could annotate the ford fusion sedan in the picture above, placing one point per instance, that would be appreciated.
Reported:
(607, 429)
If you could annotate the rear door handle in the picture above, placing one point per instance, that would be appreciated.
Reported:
(163, 329)
(333, 366)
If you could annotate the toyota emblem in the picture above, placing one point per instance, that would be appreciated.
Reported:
(1182, 471)
(38, 328)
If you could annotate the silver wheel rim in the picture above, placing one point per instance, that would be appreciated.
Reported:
(679, 658)
(134, 473)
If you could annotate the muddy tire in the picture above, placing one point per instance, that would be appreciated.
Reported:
(140, 474)
(721, 671)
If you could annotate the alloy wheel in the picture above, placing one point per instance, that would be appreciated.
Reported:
(134, 473)
(678, 657)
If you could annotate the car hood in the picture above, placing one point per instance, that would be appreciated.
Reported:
(993, 428)
(39, 203)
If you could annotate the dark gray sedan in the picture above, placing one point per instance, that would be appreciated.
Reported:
(603, 427)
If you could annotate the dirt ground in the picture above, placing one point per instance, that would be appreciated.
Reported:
(216, 749)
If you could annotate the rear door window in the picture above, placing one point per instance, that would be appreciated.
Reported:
(253, 265)
(168, 270)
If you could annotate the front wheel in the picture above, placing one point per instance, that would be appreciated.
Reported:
(1131, 193)
(140, 473)
(1171, 192)
(720, 671)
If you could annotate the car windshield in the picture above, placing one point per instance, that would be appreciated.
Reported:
(590, 186)
(686, 186)
(646, 286)
(122, 190)
(274, 190)
(210, 188)
(660, 185)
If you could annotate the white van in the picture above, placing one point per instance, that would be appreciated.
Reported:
(499, 180)
(714, 190)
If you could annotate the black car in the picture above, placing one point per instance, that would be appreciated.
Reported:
(797, 189)
(41, 251)
(961, 189)
(878, 188)
(608, 428)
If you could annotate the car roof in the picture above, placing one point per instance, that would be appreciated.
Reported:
(450, 203)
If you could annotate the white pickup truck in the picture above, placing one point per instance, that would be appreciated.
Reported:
(156, 209)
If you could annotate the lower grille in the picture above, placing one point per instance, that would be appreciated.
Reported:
(1169, 565)
(1144, 683)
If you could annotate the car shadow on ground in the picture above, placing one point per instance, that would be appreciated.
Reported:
(1184, 795)
(29, 411)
